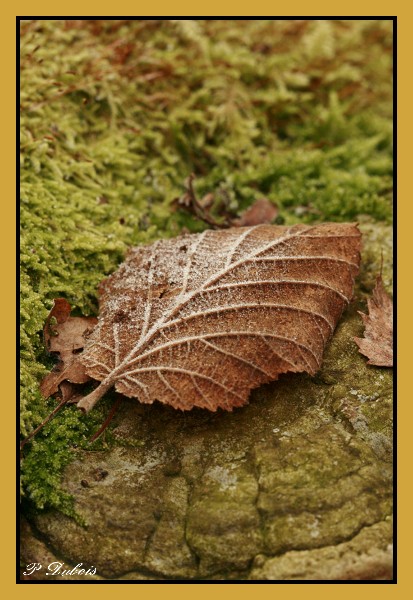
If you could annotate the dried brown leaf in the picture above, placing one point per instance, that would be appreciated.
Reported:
(260, 212)
(377, 344)
(202, 319)
(65, 336)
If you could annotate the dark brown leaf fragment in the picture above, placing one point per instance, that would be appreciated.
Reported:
(260, 212)
(377, 344)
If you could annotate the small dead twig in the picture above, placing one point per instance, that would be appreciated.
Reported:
(107, 421)
(259, 212)
(191, 203)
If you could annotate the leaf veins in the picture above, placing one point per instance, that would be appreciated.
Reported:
(202, 319)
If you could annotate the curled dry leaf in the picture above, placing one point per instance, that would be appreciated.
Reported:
(260, 212)
(65, 336)
(202, 319)
(377, 343)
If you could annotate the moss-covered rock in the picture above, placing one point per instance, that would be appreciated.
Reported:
(303, 473)
(367, 556)
(115, 115)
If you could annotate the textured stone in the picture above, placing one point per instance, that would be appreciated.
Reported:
(367, 556)
(295, 485)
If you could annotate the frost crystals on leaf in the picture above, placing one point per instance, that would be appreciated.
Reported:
(202, 319)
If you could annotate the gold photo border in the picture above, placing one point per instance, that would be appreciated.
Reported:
(227, 590)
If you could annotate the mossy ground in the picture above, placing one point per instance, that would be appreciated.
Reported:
(116, 114)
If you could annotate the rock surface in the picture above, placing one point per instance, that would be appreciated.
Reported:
(296, 485)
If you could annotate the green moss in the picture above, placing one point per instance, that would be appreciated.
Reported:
(58, 444)
(116, 114)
